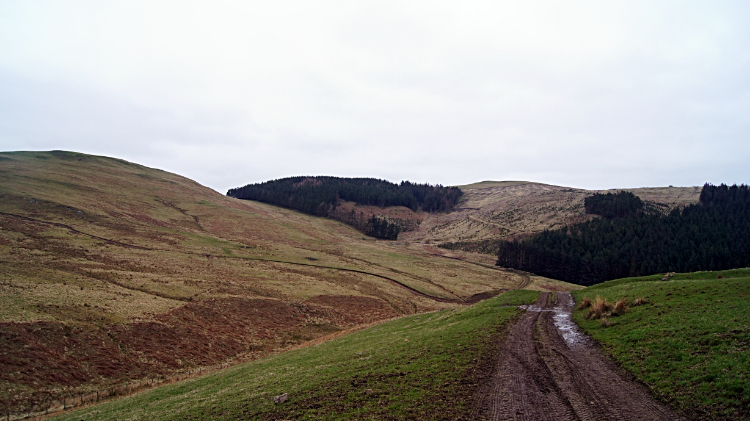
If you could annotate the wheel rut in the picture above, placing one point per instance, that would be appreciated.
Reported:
(546, 369)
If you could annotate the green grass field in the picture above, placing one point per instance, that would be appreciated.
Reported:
(690, 343)
(417, 367)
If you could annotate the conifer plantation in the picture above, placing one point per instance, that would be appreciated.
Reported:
(633, 239)
(320, 196)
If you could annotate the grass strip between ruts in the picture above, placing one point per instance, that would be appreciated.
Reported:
(417, 367)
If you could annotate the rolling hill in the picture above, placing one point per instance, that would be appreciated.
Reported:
(113, 272)
(491, 210)
(115, 276)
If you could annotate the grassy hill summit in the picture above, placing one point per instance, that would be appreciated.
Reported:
(486, 184)
(504, 210)
(111, 272)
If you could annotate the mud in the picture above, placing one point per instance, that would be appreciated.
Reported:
(547, 369)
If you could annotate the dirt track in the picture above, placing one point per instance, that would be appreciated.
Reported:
(547, 370)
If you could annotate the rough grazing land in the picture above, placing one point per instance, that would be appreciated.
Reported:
(112, 271)
(494, 210)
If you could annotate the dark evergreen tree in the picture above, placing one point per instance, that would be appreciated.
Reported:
(617, 205)
(321, 196)
(711, 235)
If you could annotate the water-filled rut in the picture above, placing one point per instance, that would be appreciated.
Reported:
(546, 369)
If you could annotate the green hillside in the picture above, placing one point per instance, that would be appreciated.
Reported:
(112, 272)
(419, 367)
(689, 342)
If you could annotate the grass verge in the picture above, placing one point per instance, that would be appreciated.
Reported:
(688, 340)
(418, 367)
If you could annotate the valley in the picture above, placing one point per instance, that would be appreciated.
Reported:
(116, 278)
(113, 272)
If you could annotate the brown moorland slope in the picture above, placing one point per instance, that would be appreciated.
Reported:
(111, 271)
(514, 209)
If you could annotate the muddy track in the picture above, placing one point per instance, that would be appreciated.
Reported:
(525, 282)
(547, 370)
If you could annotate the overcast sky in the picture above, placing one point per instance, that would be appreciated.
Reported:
(598, 94)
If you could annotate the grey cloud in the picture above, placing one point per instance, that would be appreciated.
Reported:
(660, 97)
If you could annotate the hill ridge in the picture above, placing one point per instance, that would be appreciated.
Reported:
(214, 277)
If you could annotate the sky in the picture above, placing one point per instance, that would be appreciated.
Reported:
(587, 94)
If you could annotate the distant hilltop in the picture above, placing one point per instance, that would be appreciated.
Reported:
(489, 184)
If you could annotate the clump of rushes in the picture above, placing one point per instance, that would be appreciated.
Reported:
(599, 308)
(639, 301)
(620, 307)
(586, 303)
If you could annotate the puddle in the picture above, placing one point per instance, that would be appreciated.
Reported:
(535, 308)
(563, 321)
(568, 330)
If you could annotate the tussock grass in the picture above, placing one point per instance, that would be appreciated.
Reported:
(639, 302)
(202, 245)
(175, 242)
(586, 303)
(688, 339)
(601, 308)
(620, 307)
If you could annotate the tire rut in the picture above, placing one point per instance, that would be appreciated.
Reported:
(548, 370)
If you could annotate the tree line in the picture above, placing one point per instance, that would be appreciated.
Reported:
(320, 196)
(382, 228)
(633, 241)
(619, 205)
